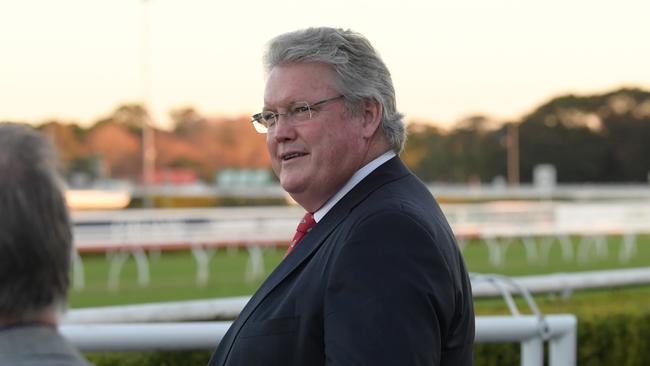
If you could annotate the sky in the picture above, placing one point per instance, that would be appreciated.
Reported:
(77, 60)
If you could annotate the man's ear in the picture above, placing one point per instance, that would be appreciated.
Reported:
(371, 117)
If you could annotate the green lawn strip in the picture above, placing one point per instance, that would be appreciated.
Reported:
(173, 274)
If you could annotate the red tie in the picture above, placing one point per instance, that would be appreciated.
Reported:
(303, 228)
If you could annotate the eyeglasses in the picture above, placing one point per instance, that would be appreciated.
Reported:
(295, 113)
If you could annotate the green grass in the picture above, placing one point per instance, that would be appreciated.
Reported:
(516, 264)
(602, 302)
(173, 277)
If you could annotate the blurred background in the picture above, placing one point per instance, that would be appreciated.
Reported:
(529, 121)
(491, 90)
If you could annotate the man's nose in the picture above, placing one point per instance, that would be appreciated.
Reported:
(283, 129)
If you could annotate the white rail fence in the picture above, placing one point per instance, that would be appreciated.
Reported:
(539, 225)
(117, 328)
(228, 308)
(458, 192)
(560, 332)
(174, 228)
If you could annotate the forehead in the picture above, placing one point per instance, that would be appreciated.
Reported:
(295, 82)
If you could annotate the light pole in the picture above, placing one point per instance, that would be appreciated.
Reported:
(513, 154)
(148, 143)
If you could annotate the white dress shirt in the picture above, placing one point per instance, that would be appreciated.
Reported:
(352, 182)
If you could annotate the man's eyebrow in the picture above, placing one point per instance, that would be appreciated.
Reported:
(284, 105)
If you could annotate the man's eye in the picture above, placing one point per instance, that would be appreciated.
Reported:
(269, 117)
(300, 109)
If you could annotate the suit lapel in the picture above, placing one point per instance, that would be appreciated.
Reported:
(387, 172)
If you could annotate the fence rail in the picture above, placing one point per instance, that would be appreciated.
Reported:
(540, 225)
(161, 228)
(560, 332)
(532, 331)
(228, 308)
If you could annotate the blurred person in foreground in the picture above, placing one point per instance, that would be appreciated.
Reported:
(379, 279)
(35, 252)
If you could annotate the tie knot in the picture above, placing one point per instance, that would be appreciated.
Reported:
(303, 228)
(306, 223)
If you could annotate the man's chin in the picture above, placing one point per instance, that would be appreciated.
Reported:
(292, 189)
(291, 183)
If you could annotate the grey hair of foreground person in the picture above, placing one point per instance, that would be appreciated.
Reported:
(361, 73)
(35, 231)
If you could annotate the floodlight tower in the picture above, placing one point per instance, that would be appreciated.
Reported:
(148, 143)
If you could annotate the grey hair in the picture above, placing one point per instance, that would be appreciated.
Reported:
(361, 74)
(35, 231)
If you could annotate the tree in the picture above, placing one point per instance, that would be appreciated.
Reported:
(130, 116)
(68, 141)
(188, 122)
(424, 152)
(600, 138)
(118, 148)
(468, 153)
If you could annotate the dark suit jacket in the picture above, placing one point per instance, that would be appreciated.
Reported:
(378, 281)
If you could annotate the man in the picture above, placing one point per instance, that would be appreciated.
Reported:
(379, 279)
(35, 252)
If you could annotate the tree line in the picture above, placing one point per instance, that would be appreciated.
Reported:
(601, 138)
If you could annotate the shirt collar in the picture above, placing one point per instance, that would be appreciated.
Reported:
(352, 182)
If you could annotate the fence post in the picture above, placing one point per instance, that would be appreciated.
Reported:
(562, 349)
(532, 352)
